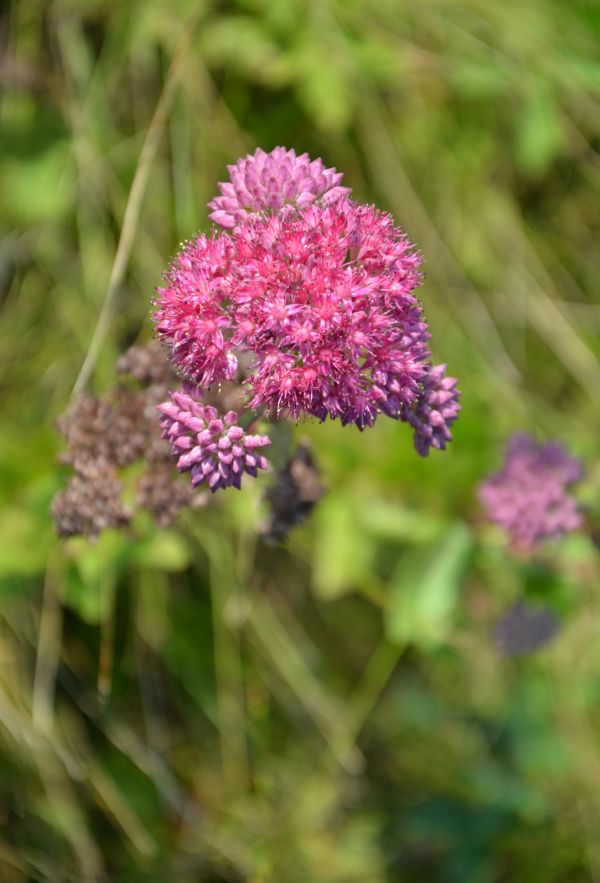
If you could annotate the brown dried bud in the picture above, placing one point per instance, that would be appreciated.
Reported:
(111, 428)
(91, 501)
(147, 364)
(161, 492)
(113, 431)
(292, 498)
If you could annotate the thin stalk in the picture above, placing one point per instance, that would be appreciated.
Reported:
(364, 698)
(134, 204)
(48, 649)
(228, 668)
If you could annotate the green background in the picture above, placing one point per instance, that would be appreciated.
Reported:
(190, 704)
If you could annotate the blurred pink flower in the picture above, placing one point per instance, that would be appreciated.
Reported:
(529, 496)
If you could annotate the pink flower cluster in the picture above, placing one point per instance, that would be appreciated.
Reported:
(215, 450)
(322, 299)
(435, 411)
(529, 496)
(271, 181)
(318, 291)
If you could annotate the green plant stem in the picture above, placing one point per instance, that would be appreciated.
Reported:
(134, 203)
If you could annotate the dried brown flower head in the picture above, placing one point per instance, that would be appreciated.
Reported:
(297, 489)
(120, 428)
(91, 501)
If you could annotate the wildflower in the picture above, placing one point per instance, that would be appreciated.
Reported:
(323, 300)
(214, 450)
(267, 182)
(529, 496)
(192, 315)
(524, 628)
(435, 411)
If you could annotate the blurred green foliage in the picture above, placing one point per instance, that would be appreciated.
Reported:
(191, 703)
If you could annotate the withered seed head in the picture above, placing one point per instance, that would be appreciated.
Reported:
(91, 501)
(111, 428)
(162, 495)
(292, 498)
(147, 364)
(113, 431)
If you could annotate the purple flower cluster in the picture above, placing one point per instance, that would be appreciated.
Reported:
(331, 334)
(267, 182)
(317, 292)
(215, 450)
(529, 496)
(435, 411)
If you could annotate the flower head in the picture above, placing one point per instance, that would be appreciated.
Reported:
(525, 627)
(529, 496)
(321, 297)
(213, 449)
(192, 315)
(267, 182)
(435, 411)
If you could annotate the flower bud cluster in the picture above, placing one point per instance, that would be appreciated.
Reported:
(214, 450)
(272, 181)
(435, 411)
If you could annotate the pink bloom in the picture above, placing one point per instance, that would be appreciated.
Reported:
(191, 316)
(266, 182)
(321, 297)
(529, 496)
(213, 449)
(435, 411)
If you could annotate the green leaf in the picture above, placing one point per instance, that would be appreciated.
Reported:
(243, 43)
(425, 589)
(36, 174)
(26, 540)
(324, 87)
(394, 521)
(539, 133)
(164, 550)
(343, 550)
(91, 581)
(92, 601)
